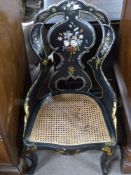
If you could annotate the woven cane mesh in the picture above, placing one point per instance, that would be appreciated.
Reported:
(70, 119)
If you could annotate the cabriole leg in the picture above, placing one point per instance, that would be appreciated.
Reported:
(30, 154)
(106, 159)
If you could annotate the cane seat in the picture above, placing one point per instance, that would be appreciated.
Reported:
(70, 119)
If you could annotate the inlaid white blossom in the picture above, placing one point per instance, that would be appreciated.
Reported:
(69, 5)
(75, 37)
(67, 34)
(72, 39)
(80, 42)
(66, 43)
(60, 38)
(81, 36)
(74, 43)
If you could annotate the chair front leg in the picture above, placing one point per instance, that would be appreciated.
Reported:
(106, 158)
(29, 153)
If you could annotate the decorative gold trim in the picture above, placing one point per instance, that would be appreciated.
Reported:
(61, 151)
(27, 112)
(26, 106)
(25, 121)
(45, 62)
(98, 63)
(77, 151)
(113, 139)
(114, 107)
(70, 76)
(107, 150)
(53, 9)
(71, 70)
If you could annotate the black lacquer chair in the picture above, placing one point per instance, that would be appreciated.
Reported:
(63, 112)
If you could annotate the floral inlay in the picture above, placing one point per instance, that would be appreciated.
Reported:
(71, 70)
(107, 42)
(71, 5)
(72, 39)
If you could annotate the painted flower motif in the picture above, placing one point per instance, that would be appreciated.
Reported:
(71, 40)
(60, 38)
(74, 43)
(66, 43)
(81, 36)
(72, 50)
(67, 34)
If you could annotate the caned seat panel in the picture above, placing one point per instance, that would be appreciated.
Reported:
(70, 119)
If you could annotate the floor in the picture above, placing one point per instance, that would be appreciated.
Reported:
(86, 163)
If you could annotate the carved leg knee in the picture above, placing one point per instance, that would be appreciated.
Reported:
(30, 154)
(106, 158)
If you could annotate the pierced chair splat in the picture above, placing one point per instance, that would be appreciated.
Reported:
(62, 112)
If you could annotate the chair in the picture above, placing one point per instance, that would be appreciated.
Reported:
(63, 112)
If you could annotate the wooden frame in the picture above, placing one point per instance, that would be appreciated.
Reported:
(124, 60)
(13, 78)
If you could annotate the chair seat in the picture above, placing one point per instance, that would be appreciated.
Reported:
(70, 119)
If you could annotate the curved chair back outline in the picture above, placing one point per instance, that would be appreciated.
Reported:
(70, 40)
(46, 83)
